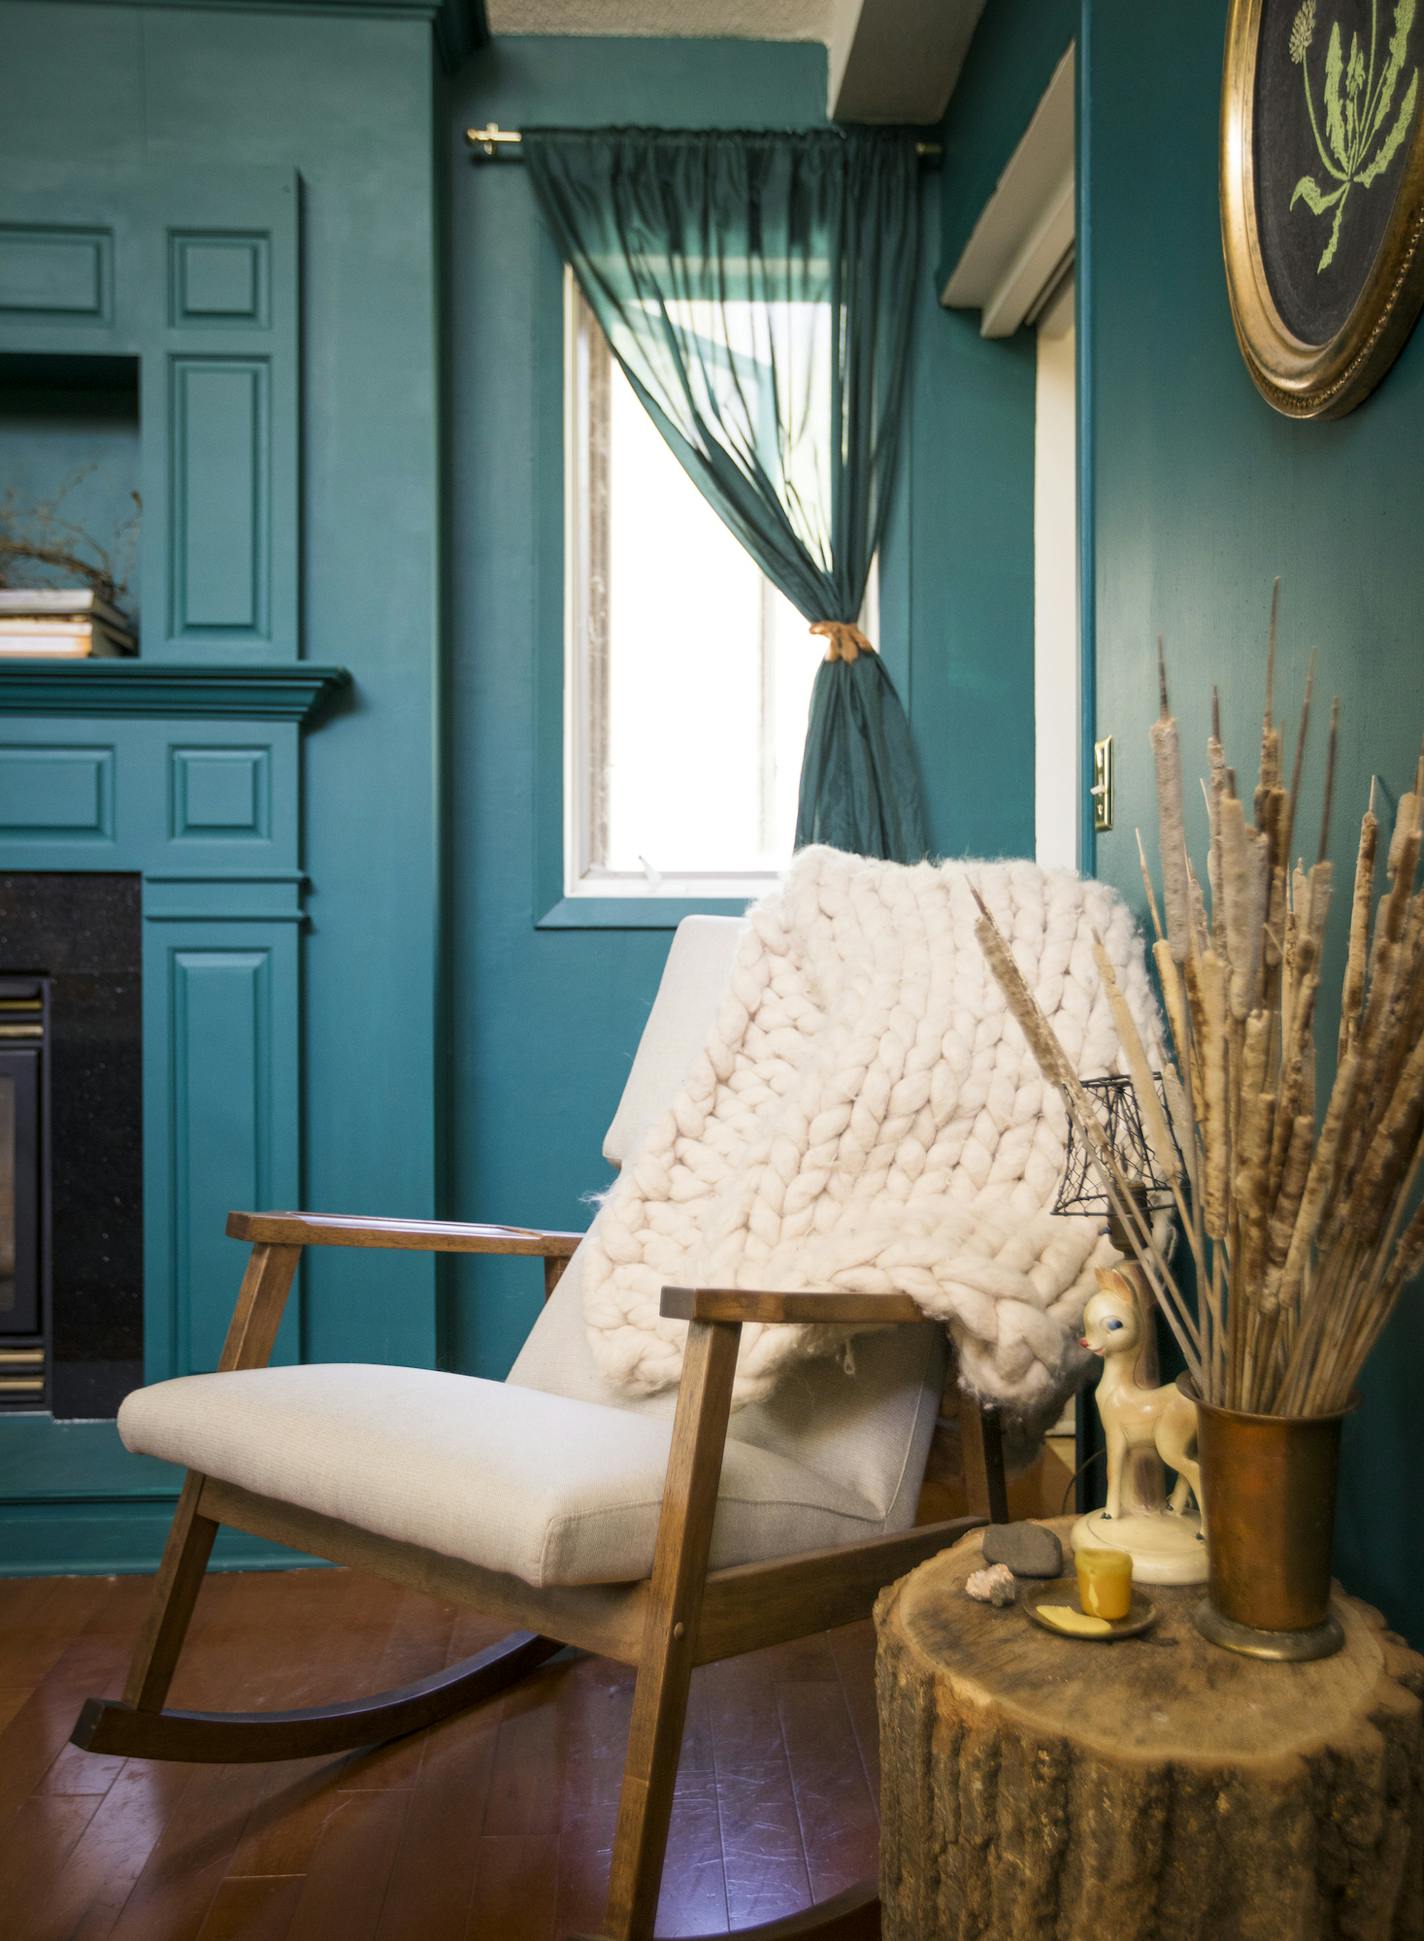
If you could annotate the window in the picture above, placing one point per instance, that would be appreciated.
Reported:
(688, 676)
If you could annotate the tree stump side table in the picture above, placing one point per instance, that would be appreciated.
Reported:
(1151, 1789)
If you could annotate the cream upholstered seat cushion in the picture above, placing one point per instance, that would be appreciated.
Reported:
(543, 1487)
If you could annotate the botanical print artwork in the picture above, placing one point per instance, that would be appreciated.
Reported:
(1357, 98)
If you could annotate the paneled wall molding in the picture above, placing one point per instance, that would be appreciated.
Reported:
(194, 278)
(257, 691)
(225, 898)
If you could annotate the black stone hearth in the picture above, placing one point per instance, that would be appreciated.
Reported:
(85, 932)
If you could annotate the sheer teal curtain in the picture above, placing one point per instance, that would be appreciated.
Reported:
(757, 289)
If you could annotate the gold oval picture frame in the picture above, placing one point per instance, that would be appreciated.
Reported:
(1322, 194)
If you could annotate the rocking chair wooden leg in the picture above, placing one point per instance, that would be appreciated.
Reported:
(231, 1738)
(665, 1669)
(175, 1591)
(982, 1444)
(266, 1282)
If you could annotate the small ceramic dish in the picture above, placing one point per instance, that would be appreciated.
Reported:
(1064, 1590)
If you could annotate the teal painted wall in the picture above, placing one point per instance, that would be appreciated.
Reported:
(544, 1021)
(972, 552)
(1201, 494)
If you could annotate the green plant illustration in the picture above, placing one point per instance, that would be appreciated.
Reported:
(1357, 101)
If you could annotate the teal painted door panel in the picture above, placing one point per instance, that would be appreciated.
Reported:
(60, 792)
(59, 275)
(221, 1125)
(195, 272)
(220, 513)
(221, 465)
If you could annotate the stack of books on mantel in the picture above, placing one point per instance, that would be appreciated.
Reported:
(61, 623)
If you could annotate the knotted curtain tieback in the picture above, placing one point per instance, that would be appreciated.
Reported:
(845, 637)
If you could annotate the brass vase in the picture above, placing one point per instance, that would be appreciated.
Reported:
(1269, 1487)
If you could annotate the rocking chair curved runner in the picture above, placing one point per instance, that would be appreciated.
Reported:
(582, 1516)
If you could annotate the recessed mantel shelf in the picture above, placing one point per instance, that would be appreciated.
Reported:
(254, 691)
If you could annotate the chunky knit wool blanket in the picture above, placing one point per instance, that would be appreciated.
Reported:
(866, 1115)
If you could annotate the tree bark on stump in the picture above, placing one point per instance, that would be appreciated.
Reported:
(1151, 1789)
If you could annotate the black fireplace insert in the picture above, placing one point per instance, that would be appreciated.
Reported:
(24, 1191)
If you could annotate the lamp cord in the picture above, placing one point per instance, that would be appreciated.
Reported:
(1087, 1463)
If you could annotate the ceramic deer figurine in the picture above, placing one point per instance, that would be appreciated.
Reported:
(1135, 1416)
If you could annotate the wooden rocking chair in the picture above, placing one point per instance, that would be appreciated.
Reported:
(548, 1499)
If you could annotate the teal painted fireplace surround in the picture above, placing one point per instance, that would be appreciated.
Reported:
(189, 778)
(249, 218)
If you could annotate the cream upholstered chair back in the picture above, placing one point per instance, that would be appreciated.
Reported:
(865, 1424)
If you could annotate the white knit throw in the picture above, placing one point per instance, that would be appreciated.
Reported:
(866, 1115)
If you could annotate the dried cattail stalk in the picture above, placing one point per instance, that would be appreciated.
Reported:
(1394, 1137)
(1207, 978)
(1201, 932)
(1270, 763)
(1174, 999)
(1353, 990)
(1176, 894)
(1299, 766)
(1331, 751)
(1147, 886)
(1244, 884)
(1286, 1210)
(1154, 1122)
(1320, 1181)
(1179, 1113)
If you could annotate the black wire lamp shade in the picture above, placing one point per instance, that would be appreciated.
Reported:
(1115, 1102)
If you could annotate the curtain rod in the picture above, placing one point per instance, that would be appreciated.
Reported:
(491, 141)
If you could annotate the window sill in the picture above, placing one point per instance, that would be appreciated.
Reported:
(635, 912)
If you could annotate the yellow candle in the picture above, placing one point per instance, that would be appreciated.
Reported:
(1104, 1582)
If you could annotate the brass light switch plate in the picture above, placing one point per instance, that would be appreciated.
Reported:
(1102, 790)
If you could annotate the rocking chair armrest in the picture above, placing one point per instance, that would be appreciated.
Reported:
(420, 1236)
(751, 1304)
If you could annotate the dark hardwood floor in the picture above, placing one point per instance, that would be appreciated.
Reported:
(494, 1827)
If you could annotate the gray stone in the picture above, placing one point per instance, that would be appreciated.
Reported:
(1027, 1548)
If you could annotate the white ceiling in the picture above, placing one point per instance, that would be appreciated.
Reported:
(673, 19)
(888, 60)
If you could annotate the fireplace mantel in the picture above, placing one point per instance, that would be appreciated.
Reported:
(258, 691)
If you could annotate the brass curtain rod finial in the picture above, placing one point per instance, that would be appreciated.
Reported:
(488, 140)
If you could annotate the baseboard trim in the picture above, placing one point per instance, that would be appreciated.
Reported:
(116, 1537)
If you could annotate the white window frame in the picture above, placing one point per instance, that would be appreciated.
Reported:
(586, 367)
